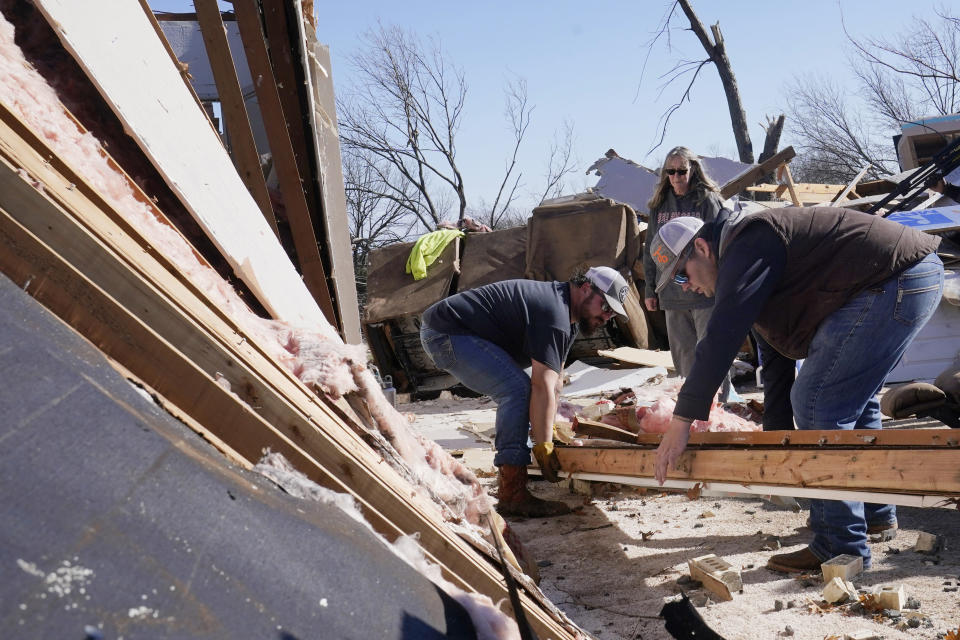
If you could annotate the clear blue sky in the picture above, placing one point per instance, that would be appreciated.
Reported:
(582, 61)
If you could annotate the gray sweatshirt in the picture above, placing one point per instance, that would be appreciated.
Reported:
(672, 296)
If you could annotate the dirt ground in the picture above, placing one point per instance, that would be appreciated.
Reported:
(613, 563)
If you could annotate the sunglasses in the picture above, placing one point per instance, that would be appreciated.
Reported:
(604, 307)
(680, 172)
(680, 275)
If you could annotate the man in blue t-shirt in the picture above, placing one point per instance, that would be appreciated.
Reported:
(486, 336)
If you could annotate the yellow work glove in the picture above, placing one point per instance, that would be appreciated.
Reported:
(548, 461)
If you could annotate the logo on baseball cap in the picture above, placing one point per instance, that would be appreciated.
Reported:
(670, 245)
(611, 284)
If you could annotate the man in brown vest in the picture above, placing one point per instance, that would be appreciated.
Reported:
(845, 291)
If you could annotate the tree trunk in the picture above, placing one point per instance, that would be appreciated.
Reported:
(718, 55)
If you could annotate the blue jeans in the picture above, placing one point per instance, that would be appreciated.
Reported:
(486, 368)
(851, 354)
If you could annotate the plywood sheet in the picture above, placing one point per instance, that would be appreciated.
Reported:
(120, 52)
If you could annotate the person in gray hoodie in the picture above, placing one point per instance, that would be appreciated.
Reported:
(684, 189)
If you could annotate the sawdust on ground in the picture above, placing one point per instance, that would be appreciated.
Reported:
(613, 563)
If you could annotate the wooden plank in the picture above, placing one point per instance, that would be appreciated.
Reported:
(853, 183)
(726, 489)
(233, 108)
(908, 438)
(330, 173)
(642, 357)
(753, 174)
(602, 430)
(801, 187)
(325, 450)
(784, 169)
(284, 160)
(184, 71)
(159, 113)
(926, 472)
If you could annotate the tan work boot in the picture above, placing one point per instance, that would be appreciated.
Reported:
(514, 499)
(801, 561)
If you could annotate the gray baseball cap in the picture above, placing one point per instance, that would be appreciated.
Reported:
(670, 244)
(611, 284)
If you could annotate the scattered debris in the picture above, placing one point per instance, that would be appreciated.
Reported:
(839, 590)
(717, 575)
(843, 566)
(892, 597)
(927, 543)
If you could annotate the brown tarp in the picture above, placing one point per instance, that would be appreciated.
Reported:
(492, 257)
(562, 238)
(392, 292)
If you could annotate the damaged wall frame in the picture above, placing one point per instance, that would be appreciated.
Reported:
(65, 248)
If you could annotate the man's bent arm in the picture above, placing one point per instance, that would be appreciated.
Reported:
(543, 402)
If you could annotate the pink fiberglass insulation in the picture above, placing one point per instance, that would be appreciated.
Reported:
(657, 402)
(489, 622)
(316, 355)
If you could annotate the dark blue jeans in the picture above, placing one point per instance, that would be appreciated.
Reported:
(486, 368)
(851, 354)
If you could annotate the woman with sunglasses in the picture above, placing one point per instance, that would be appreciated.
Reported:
(684, 189)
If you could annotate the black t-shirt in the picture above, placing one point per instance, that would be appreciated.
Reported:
(526, 318)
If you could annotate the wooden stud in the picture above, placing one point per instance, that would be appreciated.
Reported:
(748, 177)
(284, 160)
(234, 111)
(931, 471)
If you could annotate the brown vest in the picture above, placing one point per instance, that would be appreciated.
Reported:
(832, 255)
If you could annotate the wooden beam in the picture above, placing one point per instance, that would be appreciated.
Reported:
(853, 183)
(332, 193)
(748, 177)
(813, 188)
(284, 159)
(234, 110)
(48, 235)
(904, 438)
(925, 472)
(783, 172)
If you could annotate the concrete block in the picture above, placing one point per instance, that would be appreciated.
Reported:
(717, 575)
(891, 597)
(844, 567)
(927, 543)
(839, 590)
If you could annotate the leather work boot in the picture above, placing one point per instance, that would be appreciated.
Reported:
(795, 562)
(514, 499)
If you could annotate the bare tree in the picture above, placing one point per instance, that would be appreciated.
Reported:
(716, 54)
(375, 220)
(835, 138)
(560, 162)
(899, 80)
(404, 112)
(518, 115)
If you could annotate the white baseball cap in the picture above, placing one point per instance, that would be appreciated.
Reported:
(611, 284)
(669, 245)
